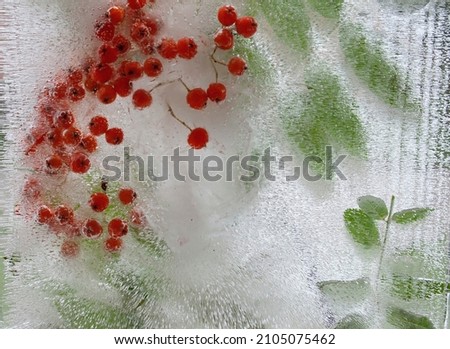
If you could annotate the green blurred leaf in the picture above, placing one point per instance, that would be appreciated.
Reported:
(82, 313)
(257, 63)
(409, 288)
(327, 8)
(373, 207)
(361, 227)
(403, 319)
(411, 215)
(323, 116)
(371, 66)
(358, 288)
(352, 321)
(288, 20)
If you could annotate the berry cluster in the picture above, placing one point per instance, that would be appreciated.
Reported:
(59, 144)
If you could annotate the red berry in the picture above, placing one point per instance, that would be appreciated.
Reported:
(99, 202)
(114, 136)
(106, 94)
(153, 67)
(108, 53)
(113, 244)
(198, 138)
(76, 93)
(92, 229)
(75, 76)
(64, 215)
(237, 66)
(54, 164)
(55, 138)
(89, 143)
(142, 99)
(137, 218)
(80, 163)
(224, 39)
(91, 85)
(227, 15)
(116, 14)
(59, 91)
(122, 44)
(168, 48)
(123, 86)
(44, 215)
(197, 98)
(152, 25)
(187, 48)
(136, 4)
(102, 73)
(127, 196)
(72, 136)
(98, 125)
(147, 46)
(139, 31)
(246, 26)
(217, 92)
(105, 31)
(117, 228)
(64, 120)
(132, 70)
(70, 249)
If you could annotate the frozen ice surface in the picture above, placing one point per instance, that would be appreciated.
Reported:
(240, 255)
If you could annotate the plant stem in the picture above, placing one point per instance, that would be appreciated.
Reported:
(383, 246)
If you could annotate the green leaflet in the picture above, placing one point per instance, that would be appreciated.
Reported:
(327, 8)
(346, 290)
(411, 215)
(361, 227)
(371, 66)
(403, 319)
(409, 288)
(82, 313)
(352, 321)
(324, 116)
(373, 207)
(288, 20)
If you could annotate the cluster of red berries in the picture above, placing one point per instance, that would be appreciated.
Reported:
(59, 144)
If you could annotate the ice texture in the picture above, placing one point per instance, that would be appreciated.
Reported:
(271, 254)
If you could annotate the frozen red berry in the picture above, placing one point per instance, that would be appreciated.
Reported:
(70, 249)
(142, 99)
(153, 67)
(105, 31)
(237, 66)
(224, 39)
(114, 136)
(102, 73)
(113, 244)
(92, 229)
(136, 4)
(198, 138)
(80, 163)
(246, 26)
(123, 86)
(99, 202)
(131, 70)
(197, 98)
(116, 14)
(127, 196)
(72, 136)
(217, 92)
(53, 164)
(187, 48)
(44, 215)
(108, 53)
(64, 215)
(117, 228)
(98, 125)
(227, 15)
(168, 48)
(64, 120)
(76, 93)
(89, 143)
(106, 94)
(122, 44)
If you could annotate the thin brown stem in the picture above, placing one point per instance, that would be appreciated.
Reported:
(162, 84)
(176, 118)
(184, 84)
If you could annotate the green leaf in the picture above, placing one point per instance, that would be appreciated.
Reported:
(323, 116)
(411, 215)
(409, 288)
(361, 227)
(403, 319)
(340, 290)
(373, 207)
(327, 8)
(369, 63)
(82, 313)
(257, 63)
(352, 321)
(288, 20)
